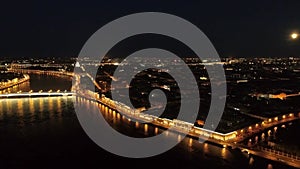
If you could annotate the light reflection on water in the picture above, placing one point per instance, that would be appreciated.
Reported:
(279, 137)
(188, 146)
(28, 116)
(33, 109)
(42, 82)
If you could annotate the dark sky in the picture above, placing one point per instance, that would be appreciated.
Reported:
(236, 28)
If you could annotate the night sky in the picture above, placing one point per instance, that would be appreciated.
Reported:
(236, 28)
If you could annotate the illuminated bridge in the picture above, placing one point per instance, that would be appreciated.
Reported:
(36, 94)
(231, 139)
(48, 72)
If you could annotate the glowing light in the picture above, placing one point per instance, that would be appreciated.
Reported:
(179, 138)
(146, 128)
(270, 166)
(294, 35)
(269, 132)
(156, 130)
(190, 142)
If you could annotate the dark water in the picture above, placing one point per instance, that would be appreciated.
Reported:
(42, 82)
(281, 137)
(285, 135)
(45, 133)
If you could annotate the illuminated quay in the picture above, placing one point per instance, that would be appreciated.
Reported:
(231, 139)
(227, 140)
(14, 82)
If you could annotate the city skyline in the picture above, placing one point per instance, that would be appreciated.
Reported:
(256, 114)
(165, 84)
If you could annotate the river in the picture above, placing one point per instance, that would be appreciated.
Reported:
(45, 133)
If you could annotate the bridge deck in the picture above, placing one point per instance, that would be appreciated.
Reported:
(36, 94)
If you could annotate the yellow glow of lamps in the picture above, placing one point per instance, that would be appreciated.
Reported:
(294, 35)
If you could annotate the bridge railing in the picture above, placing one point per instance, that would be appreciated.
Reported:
(35, 94)
(42, 71)
(251, 130)
(278, 152)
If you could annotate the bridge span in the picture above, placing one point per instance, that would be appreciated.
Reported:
(35, 94)
(231, 139)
